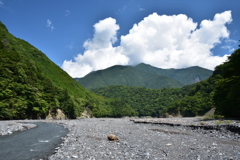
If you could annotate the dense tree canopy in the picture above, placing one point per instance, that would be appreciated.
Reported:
(186, 76)
(220, 91)
(127, 76)
(227, 94)
(31, 85)
(145, 101)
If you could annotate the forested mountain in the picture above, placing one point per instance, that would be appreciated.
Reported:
(144, 75)
(185, 76)
(220, 91)
(190, 100)
(31, 85)
(145, 101)
(127, 76)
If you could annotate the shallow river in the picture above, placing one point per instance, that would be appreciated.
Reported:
(37, 143)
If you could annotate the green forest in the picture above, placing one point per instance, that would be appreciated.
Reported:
(143, 75)
(220, 91)
(32, 86)
(159, 102)
(127, 76)
(185, 76)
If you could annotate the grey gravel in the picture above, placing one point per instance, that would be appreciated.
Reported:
(183, 139)
(8, 127)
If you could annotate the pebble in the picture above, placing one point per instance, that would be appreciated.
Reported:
(73, 156)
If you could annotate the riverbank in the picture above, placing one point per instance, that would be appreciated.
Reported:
(8, 127)
(87, 139)
(36, 143)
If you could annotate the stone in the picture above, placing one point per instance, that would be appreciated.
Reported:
(112, 138)
(73, 156)
(87, 113)
(57, 115)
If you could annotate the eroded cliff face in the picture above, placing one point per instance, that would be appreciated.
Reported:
(197, 79)
(87, 113)
(56, 115)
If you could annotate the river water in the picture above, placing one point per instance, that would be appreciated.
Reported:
(37, 143)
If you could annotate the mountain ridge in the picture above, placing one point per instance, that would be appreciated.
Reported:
(128, 76)
(144, 75)
(176, 73)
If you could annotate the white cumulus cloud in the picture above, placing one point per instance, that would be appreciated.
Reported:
(99, 53)
(163, 41)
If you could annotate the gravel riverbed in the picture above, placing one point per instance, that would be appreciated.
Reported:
(143, 139)
(8, 127)
(87, 139)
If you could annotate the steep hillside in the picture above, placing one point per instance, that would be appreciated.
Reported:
(55, 73)
(185, 76)
(127, 76)
(227, 93)
(31, 85)
(220, 91)
(144, 75)
(146, 101)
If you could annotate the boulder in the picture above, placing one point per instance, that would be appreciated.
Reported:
(112, 138)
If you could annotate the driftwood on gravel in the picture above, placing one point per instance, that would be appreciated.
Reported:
(195, 123)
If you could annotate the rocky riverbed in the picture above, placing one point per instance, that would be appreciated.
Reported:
(153, 139)
(149, 139)
(8, 127)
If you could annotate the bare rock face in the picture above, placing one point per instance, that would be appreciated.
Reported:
(87, 113)
(58, 115)
(210, 112)
(49, 116)
(112, 138)
(197, 79)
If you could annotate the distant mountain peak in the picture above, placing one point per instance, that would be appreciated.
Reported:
(144, 75)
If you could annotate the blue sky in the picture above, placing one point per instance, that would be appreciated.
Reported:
(86, 35)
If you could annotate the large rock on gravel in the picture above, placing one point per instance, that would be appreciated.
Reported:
(112, 138)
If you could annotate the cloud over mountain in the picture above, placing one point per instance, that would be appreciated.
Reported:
(99, 52)
(163, 41)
